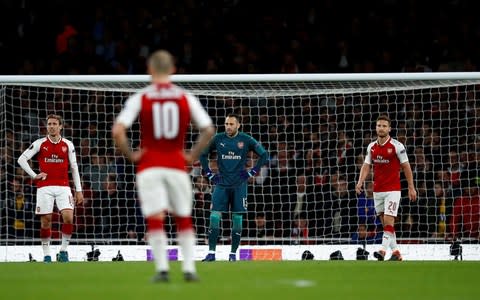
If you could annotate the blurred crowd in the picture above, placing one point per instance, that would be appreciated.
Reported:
(235, 36)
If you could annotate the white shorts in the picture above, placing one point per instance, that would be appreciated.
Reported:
(387, 202)
(161, 189)
(47, 196)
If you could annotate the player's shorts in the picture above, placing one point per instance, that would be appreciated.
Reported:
(165, 189)
(47, 196)
(232, 199)
(387, 202)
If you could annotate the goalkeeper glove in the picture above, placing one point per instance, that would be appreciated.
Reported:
(215, 178)
(247, 174)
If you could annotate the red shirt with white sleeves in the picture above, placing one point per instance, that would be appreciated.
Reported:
(54, 159)
(386, 160)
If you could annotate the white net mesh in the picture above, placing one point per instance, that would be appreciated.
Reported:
(316, 130)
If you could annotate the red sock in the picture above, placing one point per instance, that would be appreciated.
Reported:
(67, 228)
(45, 233)
(155, 224)
(184, 223)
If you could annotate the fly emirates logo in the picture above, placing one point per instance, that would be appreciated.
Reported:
(381, 160)
(231, 155)
(54, 159)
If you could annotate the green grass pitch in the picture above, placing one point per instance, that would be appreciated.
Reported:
(244, 280)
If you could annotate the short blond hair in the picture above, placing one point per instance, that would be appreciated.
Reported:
(161, 62)
(56, 117)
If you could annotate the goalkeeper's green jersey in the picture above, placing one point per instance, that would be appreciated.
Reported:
(232, 155)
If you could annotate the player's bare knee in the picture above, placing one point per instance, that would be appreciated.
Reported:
(46, 221)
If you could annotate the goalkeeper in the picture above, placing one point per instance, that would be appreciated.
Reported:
(230, 191)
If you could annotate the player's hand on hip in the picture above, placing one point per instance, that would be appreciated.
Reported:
(78, 198)
(215, 178)
(245, 175)
(41, 176)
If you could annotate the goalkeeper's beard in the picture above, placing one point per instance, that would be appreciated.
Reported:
(231, 132)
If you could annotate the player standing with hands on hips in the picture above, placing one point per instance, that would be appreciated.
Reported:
(387, 156)
(54, 155)
(230, 191)
(164, 111)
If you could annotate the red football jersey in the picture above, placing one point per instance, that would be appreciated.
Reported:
(54, 159)
(386, 160)
(164, 112)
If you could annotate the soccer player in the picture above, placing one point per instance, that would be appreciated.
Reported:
(164, 111)
(54, 155)
(230, 192)
(387, 156)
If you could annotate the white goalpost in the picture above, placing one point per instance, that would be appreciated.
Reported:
(315, 127)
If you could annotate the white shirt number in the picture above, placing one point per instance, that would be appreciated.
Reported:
(165, 120)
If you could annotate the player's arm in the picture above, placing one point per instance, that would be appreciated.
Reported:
(26, 156)
(124, 120)
(263, 157)
(204, 162)
(407, 170)
(204, 156)
(205, 144)
(72, 158)
(203, 122)
(202, 141)
(119, 134)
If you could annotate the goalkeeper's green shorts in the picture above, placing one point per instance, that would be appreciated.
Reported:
(232, 199)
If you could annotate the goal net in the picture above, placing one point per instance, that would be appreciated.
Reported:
(315, 127)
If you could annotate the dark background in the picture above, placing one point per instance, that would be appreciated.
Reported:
(113, 37)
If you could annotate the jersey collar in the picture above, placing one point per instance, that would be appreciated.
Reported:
(59, 140)
(388, 140)
(162, 85)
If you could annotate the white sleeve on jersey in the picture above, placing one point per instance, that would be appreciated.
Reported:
(130, 111)
(200, 117)
(72, 158)
(27, 155)
(368, 157)
(401, 152)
